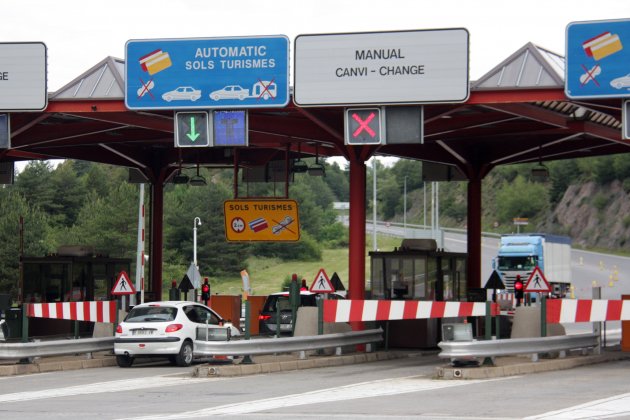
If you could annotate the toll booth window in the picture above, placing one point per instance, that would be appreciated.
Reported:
(101, 289)
(77, 291)
(33, 292)
(393, 276)
(460, 274)
(378, 278)
(419, 278)
(448, 292)
(432, 279)
(402, 281)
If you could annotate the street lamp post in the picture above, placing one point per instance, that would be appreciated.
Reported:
(196, 222)
(374, 246)
(405, 206)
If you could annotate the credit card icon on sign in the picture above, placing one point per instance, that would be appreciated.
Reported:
(258, 224)
(602, 45)
(155, 62)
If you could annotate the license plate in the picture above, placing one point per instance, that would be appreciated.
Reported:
(142, 332)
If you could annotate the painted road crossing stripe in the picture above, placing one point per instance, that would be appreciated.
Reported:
(616, 406)
(101, 387)
(370, 389)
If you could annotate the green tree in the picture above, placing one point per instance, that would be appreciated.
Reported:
(69, 194)
(36, 237)
(34, 183)
(520, 199)
(110, 223)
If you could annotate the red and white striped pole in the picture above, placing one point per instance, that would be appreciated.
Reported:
(140, 248)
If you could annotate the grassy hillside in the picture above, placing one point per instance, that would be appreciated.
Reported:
(268, 274)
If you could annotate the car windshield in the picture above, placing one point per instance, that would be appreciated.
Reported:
(151, 314)
(517, 263)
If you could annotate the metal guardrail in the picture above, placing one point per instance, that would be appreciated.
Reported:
(286, 344)
(514, 346)
(55, 347)
(210, 348)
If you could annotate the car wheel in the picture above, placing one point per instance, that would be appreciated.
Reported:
(168, 98)
(185, 355)
(214, 97)
(124, 361)
(241, 97)
(194, 98)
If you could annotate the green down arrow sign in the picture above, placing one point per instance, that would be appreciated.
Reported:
(193, 135)
(191, 129)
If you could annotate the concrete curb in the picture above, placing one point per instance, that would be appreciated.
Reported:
(58, 364)
(522, 365)
(290, 362)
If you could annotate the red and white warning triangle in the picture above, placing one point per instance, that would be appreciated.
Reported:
(322, 283)
(537, 282)
(123, 286)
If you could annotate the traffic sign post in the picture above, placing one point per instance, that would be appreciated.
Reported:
(23, 76)
(625, 120)
(396, 67)
(322, 283)
(597, 56)
(123, 287)
(537, 283)
(5, 133)
(364, 126)
(192, 129)
(207, 73)
(230, 128)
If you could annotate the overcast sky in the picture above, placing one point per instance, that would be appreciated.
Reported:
(80, 33)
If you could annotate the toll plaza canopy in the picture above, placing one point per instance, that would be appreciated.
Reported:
(518, 112)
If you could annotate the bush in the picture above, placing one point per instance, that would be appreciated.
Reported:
(600, 201)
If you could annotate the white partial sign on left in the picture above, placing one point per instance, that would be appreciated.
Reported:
(23, 76)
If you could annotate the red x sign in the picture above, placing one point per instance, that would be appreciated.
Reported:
(363, 126)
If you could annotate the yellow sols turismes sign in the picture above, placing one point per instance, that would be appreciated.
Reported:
(261, 220)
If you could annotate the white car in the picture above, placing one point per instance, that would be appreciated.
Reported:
(621, 82)
(170, 329)
(230, 92)
(182, 93)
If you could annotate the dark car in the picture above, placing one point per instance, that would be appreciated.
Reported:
(267, 318)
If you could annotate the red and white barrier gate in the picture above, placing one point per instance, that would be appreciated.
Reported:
(389, 310)
(99, 311)
(582, 310)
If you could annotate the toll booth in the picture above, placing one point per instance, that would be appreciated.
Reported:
(73, 274)
(417, 270)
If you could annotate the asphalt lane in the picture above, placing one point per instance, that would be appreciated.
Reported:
(394, 389)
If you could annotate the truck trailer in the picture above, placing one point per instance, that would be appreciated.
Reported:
(519, 254)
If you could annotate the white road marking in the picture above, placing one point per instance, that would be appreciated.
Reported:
(355, 391)
(101, 387)
(607, 408)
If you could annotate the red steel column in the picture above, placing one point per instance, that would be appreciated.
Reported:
(356, 263)
(157, 217)
(473, 277)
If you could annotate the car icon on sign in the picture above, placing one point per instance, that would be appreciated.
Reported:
(182, 93)
(230, 92)
(621, 82)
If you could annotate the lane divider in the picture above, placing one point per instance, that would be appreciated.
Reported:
(95, 311)
(583, 310)
(387, 310)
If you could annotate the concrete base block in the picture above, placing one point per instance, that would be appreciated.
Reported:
(306, 364)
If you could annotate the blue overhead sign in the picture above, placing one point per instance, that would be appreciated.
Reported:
(598, 59)
(242, 72)
(230, 128)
